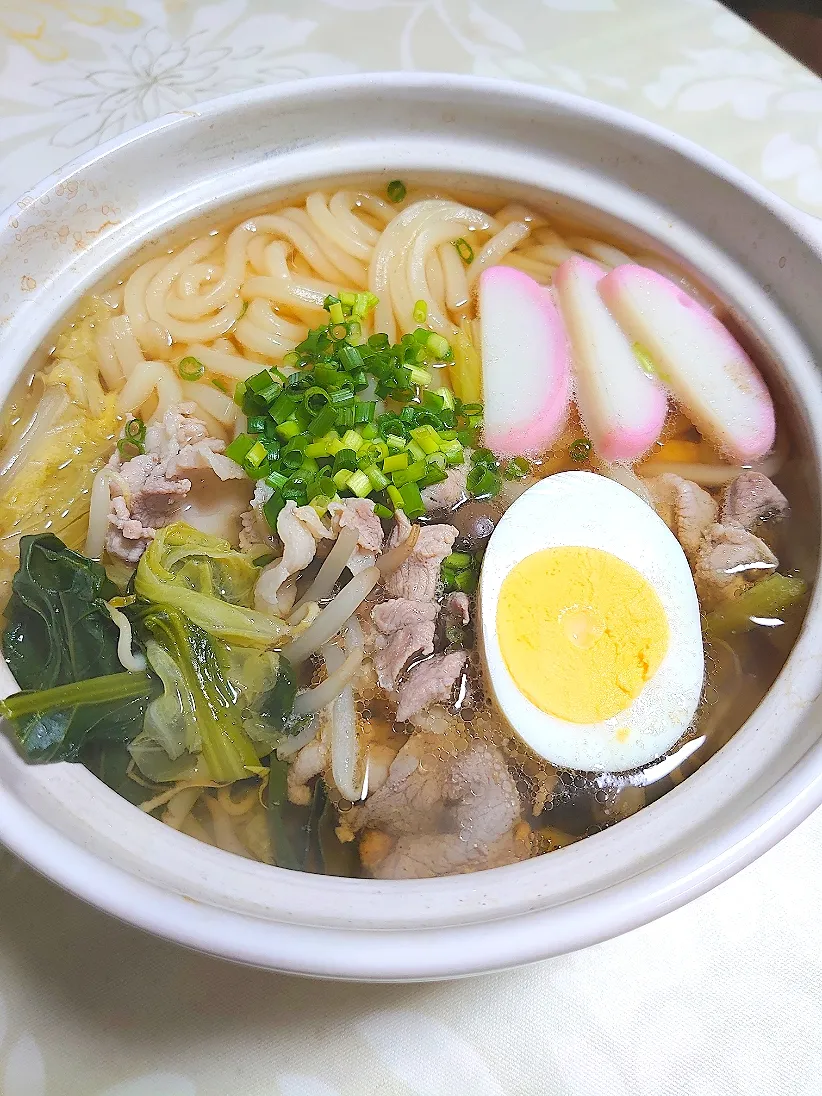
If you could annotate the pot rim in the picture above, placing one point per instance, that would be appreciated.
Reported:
(453, 949)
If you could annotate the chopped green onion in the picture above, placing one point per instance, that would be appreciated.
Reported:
(464, 250)
(365, 303)
(288, 430)
(345, 458)
(447, 397)
(458, 561)
(427, 439)
(291, 359)
(276, 480)
(135, 430)
(411, 474)
(483, 456)
(580, 450)
(337, 315)
(396, 190)
(394, 441)
(351, 358)
(364, 412)
(323, 422)
(395, 463)
(292, 459)
(360, 484)
(433, 401)
(216, 383)
(454, 452)
(438, 459)
(517, 468)
(238, 449)
(191, 369)
(282, 408)
(435, 474)
(323, 485)
(466, 581)
(382, 511)
(438, 345)
(315, 399)
(395, 496)
(341, 478)
(420, 312)
(412, 501)
(416, 450)
(377, 480)
(352, 440)
(370, 432)
(319, 449)
(420, 376)
(482, 482)
(134, 434)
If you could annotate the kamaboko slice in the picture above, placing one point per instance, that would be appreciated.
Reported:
(622, 407)
(526, 365)
(705, 368)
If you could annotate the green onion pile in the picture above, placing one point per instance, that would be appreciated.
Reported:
(315, 435)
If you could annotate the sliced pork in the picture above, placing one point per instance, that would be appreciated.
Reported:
(358, 514)
(687, 509)
(406, 629)
(729, 559)
(299, 529)
(440, 812)
(429, 682)
(752, 498)
(147, 490)
(417, 578)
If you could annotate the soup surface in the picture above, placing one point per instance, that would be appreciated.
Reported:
(250, 495)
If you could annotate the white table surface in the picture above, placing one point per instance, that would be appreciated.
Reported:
(722, 998)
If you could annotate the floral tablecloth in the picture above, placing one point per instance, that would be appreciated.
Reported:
(723, 998)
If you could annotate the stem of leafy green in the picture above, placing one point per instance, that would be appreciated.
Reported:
(95, 690)
(208, 696)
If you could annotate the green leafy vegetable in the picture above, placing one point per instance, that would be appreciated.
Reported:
(199, 709)
(61, 645)
(770, 599)
(277, 704)
(290, 827)
(338, 858)
(203, 577)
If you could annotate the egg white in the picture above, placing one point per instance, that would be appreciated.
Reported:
(586, 510)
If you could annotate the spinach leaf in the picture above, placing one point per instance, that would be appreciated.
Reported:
(277, 705)
(290, 826)
(337, 858)
(59, 629)
(61, 645)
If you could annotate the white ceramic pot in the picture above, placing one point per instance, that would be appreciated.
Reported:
(549, 147)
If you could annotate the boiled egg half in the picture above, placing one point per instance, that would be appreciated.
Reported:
(590, 625)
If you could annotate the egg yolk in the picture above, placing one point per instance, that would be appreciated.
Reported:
(581, 632)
